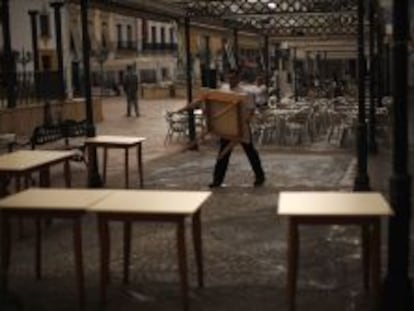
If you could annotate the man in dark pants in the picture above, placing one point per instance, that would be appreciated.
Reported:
(226, 149)
(131, 90)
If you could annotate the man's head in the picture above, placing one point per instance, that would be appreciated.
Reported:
(233, 78)
(129, 68)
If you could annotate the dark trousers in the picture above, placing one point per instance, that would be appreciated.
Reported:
(132, 103)
(222, 162)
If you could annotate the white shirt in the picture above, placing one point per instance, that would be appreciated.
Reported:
(249, 103)
(260, 96)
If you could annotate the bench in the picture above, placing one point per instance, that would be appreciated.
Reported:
(63, 131)
(8, 140)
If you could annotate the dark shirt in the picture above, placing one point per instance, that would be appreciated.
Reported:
(130, 84)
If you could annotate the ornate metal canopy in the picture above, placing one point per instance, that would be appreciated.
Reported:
(280, 17)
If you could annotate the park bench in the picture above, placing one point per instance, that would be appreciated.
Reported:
(61, 132)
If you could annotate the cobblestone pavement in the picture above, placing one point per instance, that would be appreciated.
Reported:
(244, 240)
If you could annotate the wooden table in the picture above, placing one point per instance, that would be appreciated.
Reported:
(157, 206)
(118, 142)
(327, 208)
(25, 162)
(70, 204)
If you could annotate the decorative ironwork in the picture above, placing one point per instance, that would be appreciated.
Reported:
(308, 25)
(227, 8)
(280, 17)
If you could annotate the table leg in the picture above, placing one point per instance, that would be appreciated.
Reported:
(5, 249)
(127, 249)
(198, 247)
(103, 232)
(182, 263)
(27, 181)
(366, 254)
(105, 163)
(91, 162)
(140, 167)
(293, 247)
(68, 175)
(44, 182)
(4, 183)
(18, 185)
(77, 246)
(376, 264)
(126, 168)
(20, 224)
(38, 248)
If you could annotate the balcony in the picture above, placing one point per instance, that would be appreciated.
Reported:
(159, 47)
(126, 46)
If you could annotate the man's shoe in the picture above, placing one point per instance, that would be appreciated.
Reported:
(259, 181)
(214, 185)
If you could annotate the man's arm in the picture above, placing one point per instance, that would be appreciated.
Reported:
(196, 103)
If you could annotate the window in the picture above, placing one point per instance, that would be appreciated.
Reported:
(162, 35)
(164, 73)
(144, 31)
(103, 34)
(153, 34)
(46, 62)
(129, 36)
(44, 25)
(171, 35)
(119, 34)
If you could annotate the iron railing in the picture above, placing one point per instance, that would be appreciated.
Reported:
(31, 87)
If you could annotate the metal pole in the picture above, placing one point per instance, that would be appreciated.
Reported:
(33, 21)
(95, 180)
(9, 62)
(59, 48)
(361, 182)
(387, 71)
(267, 63)
(372, 142)
(398, 286)
(191, 119)
(236, 47)
(380, 56)
(295, 80)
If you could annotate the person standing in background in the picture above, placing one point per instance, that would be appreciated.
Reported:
(130, 84)
(260, 93)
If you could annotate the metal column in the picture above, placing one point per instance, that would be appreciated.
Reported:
(236, 48)
(361, 182)
(59, 48)
(95, 180)
(191, 120)
(295, 79)
(33, 22)
(398, 286)
(9, 61)
(266, 62)
(372, 142)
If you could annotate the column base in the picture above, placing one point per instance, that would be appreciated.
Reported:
(398, 294)
(361, 183)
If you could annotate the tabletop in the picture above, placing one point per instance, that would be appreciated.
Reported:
(115, 140)
(53, 198)
(152, 202)
(315, 203)
(26, 159)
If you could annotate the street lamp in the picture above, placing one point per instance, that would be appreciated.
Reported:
(23, 58)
